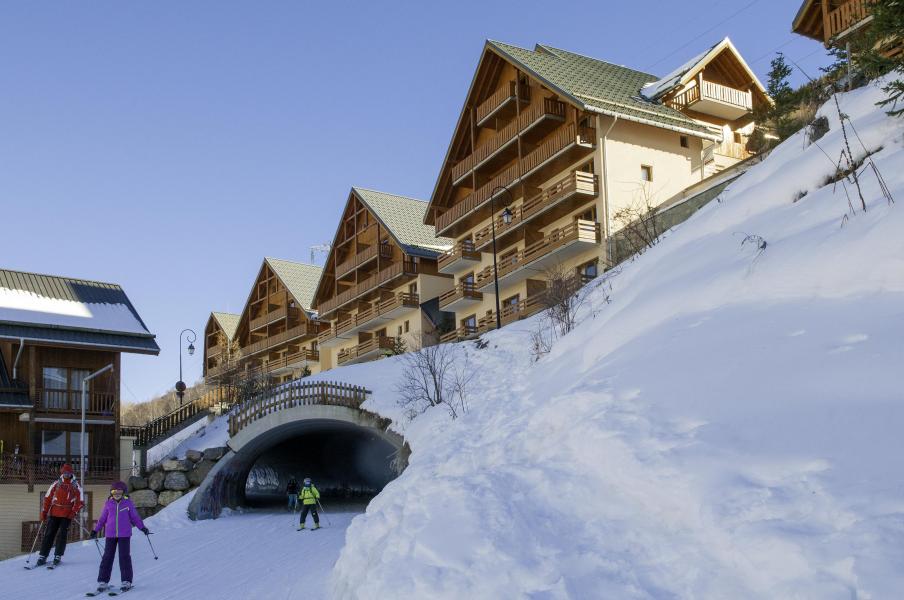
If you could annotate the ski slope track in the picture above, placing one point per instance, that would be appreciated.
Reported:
(723, 423)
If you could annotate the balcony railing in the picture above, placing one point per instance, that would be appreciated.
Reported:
(567, 136)
(97, 403)
(31, 529)
(371, 283)
(576, 182)
(362, 257)
(502, 96)
(290, 361)
(732, 150)
(378, 345)
(527, 119)
(299, 331)
(46, 467)
(707, 90)
(580, 230)
(213, 351)
(464, 289)
(522, 309)
(462, 333)
(277, 314)
(846, 16)
(463, 250)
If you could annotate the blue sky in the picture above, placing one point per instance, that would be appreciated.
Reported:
(170, 146)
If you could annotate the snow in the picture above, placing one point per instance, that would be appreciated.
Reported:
(200, 435)
(724, 423)
(22, 306)
(202, 559)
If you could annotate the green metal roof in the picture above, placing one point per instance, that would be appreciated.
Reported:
(228, 322)
(404, 219)
(299, 278)
(599, 86)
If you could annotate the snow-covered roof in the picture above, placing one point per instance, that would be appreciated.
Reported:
(53, 308)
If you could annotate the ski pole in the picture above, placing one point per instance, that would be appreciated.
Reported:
(323, 512)
(96, 543)
(147, 536)
(37, 535)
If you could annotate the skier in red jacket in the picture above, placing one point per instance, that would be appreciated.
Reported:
(62, 502)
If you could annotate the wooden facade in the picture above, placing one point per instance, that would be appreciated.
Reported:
(831, 22)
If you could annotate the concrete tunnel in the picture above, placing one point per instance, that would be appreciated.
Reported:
(347, 452)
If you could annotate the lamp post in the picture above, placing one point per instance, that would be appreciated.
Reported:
(506, 218)
(180, 385)
(81, 439)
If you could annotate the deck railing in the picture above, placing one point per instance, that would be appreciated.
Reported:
(846, 16)
(577, 181)
(360, 258)
(30, 532)
(97, 403)
(462, 333)
(382, 342)
(296, 393)
(274, 315)
(41, 468)
(708, 90)
(501, 96)
(286, 362)
(298, 331)
(461, 250)
(398, 269)
(464, 289)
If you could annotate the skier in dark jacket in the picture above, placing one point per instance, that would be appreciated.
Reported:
(62, 502)
(292, 491)
(116, 521)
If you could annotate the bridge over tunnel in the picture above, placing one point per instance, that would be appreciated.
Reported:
(346, 451)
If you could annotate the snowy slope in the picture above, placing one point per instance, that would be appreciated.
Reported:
(727, 427)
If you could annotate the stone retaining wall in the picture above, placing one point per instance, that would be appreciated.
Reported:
(172, 479)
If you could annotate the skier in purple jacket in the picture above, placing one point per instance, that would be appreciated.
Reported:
(116, 520)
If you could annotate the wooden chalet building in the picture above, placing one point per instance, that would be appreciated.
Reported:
(380, 284)
(572, 140)
(276, 332)
(54, 333)
(832, 22)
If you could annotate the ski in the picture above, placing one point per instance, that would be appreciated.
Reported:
(95, 593)
(118, 592)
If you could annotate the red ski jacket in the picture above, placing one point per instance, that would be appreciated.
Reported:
(63, 499)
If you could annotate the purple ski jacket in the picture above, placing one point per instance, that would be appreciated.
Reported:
(118, 518)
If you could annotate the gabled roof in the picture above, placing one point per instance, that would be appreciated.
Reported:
(686, 72)
(299, 278)
(51, 308)
(599, 86)
(403, 218)
(228, 322)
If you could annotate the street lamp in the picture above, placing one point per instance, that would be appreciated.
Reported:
(506, 218)
(180, 385)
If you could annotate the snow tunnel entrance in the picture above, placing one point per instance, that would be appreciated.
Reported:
(348, 453)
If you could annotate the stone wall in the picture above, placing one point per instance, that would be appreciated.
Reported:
(172, 479)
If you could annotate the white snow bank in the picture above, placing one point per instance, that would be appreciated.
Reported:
(200, 435)
(22, 306)
(727, 427)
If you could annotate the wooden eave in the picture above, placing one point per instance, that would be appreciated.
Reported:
(482, 83)
(808, 21)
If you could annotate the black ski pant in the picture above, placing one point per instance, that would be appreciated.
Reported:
(304, 513)
(57, 527)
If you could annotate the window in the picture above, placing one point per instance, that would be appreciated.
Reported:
(588, 271)
(60, 385)
(406, 327)
(381, 332)
(646, 173)
(684, 142)
(53, 442)
(587, 215)
(587, 167)
(75, 443)
(469, 278)
(399, 333)
(469, 322)
(412, 288)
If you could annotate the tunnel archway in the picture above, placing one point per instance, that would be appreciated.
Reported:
(346, 451)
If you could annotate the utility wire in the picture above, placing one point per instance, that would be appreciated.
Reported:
(722, 22)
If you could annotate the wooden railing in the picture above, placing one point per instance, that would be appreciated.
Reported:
(286, 362)
(502, 95)
(46, 467)
(296, 393)
(559, 140)
(463, 332)
(97, 403)
(280, 338)
(549, 107)
(391, 272)
(213, 351)
(362, 257)
(274, 315)
(475, 199)
(577, 181)
(579, 230)
(148, 434)
(522, 309)
(30, 531)
(732, 150)
(464, 289)
(707, 90)
(846, 16)
(381, 342)
(461, 250)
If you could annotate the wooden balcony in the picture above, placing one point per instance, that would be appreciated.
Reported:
(369, 350)
(550, 204)
(218, 370)
(465, 332)
(495, 146)
(849, 16)
(555, 247)
(732, 150)
(522, 309)
(384, 310)
(214, 351)
(714, 99)
(278, 314)
(287, 363)
(331, 337)
(400, 269)
(502, 100)
(552, 155)
(69, 401)
(463, 295)
(362, 258)
(45, 468)
(460, 257)
(294, 333)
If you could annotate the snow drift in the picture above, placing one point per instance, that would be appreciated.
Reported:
(724, 423)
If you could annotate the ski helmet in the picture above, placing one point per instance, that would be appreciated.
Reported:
(307, 481)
